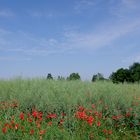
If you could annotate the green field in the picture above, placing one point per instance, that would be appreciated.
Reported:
(39, 109)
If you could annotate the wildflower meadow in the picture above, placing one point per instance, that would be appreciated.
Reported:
(40, 109)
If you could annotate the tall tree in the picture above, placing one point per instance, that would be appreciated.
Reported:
(121, 75)
(126, 75)
(135, 72)
(60, 78)
(97, 77)
(49, 76)
(74, 76)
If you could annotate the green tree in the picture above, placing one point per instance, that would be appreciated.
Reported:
(97, 77)
(49, 76)
(121, 76)
(61, 78)
(135, 72)
(74, 76)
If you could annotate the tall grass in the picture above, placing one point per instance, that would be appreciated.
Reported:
(41, 92)
(57, 96)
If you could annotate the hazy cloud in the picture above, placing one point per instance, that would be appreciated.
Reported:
(103, 37)
(6, 13)
(125, 8)
(131, 3)
(8, 58)
(44, 14)
(71, 41)
(132, 59)
(27, 44)
(81, 5)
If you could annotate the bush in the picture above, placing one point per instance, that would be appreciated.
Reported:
(74, 76)
(97, 77)
(49, 76)
(127, 75)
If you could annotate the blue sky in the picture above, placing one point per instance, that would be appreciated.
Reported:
(64, 36)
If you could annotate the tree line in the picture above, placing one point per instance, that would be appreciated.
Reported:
(130, 75)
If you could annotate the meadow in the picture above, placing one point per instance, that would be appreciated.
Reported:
(40, 109)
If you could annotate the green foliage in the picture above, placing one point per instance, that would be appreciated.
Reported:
(97, 77)
(49, 76)
(121, 75)
(61, 78)
(127, 75)
(74, 76)
(50, 96)
(135, 72)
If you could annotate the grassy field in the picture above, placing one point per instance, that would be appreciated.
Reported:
(40, 109)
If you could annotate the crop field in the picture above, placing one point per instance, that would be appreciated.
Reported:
(40, 109)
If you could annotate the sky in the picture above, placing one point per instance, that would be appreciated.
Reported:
(38, 37)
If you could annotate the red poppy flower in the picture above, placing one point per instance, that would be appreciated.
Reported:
(90, 120)
(98, 123)
(63, 114)
(105, 131)
(16, 126)
(34, 114)
(49, 123)
(32, 132)
(21, 116)
(61, 121)
(41, 132)
(81, 115)
(29, 120)
(128, 114)
(81, 108)
(4, 130)
(28, 114)
(51, 116)
(93, 106)
(110, 132)
(12, 122)
(6, 124)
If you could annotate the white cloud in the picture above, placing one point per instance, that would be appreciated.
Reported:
(8, 58)
(28, 44)
(6, 13)
(132, 59)
(44, 14)
(71, 41)
(4, 32)
(131, 3)
(125, 9)
(81, 5)
(102, 37)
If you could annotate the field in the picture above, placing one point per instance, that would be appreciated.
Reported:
(39, 109)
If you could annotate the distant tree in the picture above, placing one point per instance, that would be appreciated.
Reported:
(61, 78)
(127, 75)
(49, 76)
(74, 76)
(113, 77)
(97, 77)
(94, 78)
(135, 72)
(121, 76)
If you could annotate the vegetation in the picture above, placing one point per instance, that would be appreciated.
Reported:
(135, 72)
(122, 75)
(127, 75)
(61, 78)
(74, 76)
(49, 76)
(68, 110)
(97, 77)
